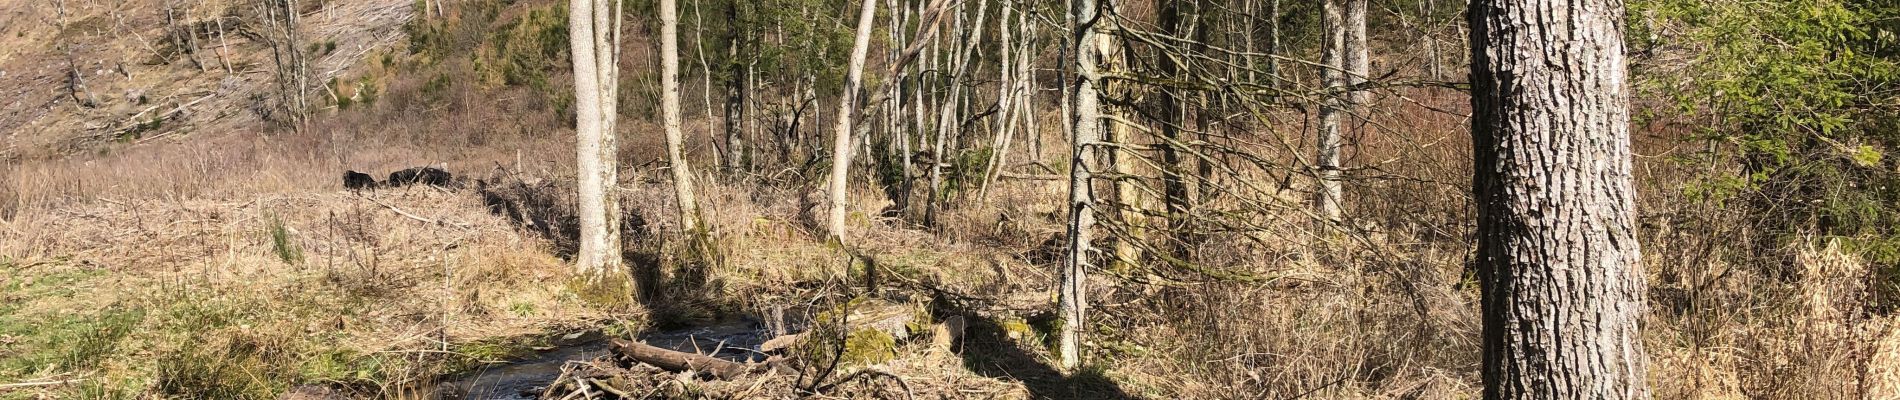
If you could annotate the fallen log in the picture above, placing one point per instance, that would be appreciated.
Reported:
(678, 361)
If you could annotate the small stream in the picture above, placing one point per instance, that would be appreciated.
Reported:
(736, 340)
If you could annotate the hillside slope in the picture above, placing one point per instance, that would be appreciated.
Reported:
(150, 69)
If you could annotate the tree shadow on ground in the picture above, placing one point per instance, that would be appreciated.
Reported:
(678, 291)
(988, 350)
(672, 279)
(537, 206)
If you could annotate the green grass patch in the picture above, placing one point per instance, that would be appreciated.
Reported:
(282, 243)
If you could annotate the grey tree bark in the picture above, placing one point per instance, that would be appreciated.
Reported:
(947, 127)
(1333, 76)
(1358, 57)
(670, 117)
(1273, 45)
(841, 142)
(594, 30)
(1087, 127)
(735, 156)
(1562, 281)
(1005, 107)
(1173, 165)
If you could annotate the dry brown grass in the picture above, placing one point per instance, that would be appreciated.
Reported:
(1382, 314)
(173, 240)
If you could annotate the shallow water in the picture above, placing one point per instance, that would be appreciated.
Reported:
(736, 340)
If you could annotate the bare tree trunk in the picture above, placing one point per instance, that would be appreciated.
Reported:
(1330, 108)
(75, 81)
(1071, 299)
(1273, 45)
(736, 88)
(689, 216)
(1174, 169)
(1358, 57)
(1431, 41)
(224, 58)
(593, 26)
(187, 37)
(841, 143)
(946, 106)
(1118, 141)
(894, 110)
(1005, 109)
(1026, 68)
(1560, 265)
(293, 71)
(705, 76)
(948, 128)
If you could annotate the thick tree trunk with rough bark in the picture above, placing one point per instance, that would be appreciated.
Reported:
(847, 104)
(593, 26)
(1087, 127)
(1562, 281)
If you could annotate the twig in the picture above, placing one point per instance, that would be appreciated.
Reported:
(18, 385)
(1032, 177)
(609, 388)
(398, 211)
(549, 391)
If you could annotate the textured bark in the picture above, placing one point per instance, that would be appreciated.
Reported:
(1273, 44)
(894, 117)
(670, 117)
(1333, 77)
(1561, 272)
(841, 142)
(593, 26)
(1071, 299)
(1174, 167)
(1129, 203)
(1358, 57)
(735, 157)
(677, 361)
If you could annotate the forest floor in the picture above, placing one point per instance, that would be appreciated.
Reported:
(309, 288)
(216, 255)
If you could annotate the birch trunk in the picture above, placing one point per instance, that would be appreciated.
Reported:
(1559, 263)
(593, 26)
(1071, 299)
(1332, 75)
(1273, 43)
(1358, 57)
(841, 142)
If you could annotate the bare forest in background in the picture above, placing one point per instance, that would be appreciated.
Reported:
(950, 199)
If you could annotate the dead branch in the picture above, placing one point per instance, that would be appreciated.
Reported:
(677, 361)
